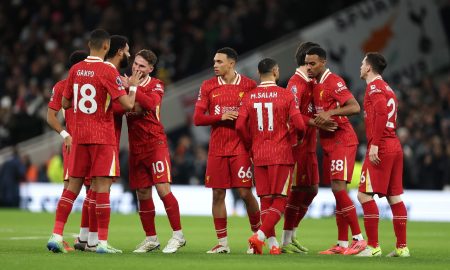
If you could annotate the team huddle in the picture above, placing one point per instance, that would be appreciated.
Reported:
(262, 135)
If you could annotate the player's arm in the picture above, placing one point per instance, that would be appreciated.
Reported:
(296, 117)
(379, 104)
(53, 122)
(242, 128)
(349, 107)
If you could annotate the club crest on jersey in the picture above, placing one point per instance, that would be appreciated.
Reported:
(294, 89)
(118, 81)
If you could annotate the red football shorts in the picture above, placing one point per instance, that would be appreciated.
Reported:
(306, 169)
(149, 168)
(229, 172)
(66, 162)
(273, 180)
(92, 160)
(384, 179)
(338, 164)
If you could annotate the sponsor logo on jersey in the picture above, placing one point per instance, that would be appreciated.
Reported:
(158, 87)
(310, 107)
(341, 87)
(216, 109)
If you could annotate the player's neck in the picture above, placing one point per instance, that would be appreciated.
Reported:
(229, 77)
(114, 61)
(269, 78)
(303, 69)
(98, 54)
(371, 76)
(319, 76)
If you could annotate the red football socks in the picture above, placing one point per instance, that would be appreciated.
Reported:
(292, 209)
(92, 212)
(147, 215)
(371, 220)
(400, 217)
(63, 210)
(342, 224)
(103, 211)
(273, 215)
(172, 210)
(348, 210)
(85, 211)
(220, 224)
(255, 220)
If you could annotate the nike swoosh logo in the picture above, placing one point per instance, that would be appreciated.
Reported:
(216, 95)
(246, 180)
(159, 176)
(333, 173)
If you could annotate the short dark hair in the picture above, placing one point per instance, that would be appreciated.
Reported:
(318, 51)
(76, 57)
(97, 37)
(301, 51)
(377, 61)
(230, 52)
(117, 43)
(266, 65)
(149, 56)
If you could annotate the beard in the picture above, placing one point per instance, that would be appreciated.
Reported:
(123, 62)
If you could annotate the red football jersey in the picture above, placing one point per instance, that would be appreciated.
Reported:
(302, 86)
(91, 85)
(329, 93)
(145, 132)
(55, 104)
(268, 109)
(218, 97)
(380, 115)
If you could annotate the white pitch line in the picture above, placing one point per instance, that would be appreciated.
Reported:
(27, 238)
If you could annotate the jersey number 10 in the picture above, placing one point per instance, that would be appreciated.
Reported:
(259, 114)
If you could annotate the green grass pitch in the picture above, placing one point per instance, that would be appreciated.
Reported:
(23, 237)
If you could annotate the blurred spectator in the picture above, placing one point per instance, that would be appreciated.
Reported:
(38, 36)
(31, 170)
(11, 174)
(183, 161)
(55, 169)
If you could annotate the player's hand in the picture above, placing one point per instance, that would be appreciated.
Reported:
(330, 126)
(137, 108)
(135, 78)
(230, 116)
(68, 143)
(125, 79)
(373, 154)
(322, 118)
